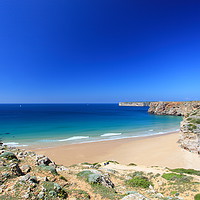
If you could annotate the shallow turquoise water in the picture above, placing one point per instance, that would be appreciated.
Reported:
(55, 124)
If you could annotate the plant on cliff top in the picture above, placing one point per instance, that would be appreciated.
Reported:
(191, 127)
(177, 177)
(105, 192)
(137, 181)
(186, 171)
(197, 197)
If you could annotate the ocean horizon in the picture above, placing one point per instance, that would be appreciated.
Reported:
(47, 125)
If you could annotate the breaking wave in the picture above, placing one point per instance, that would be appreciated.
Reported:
(110, 134)
(74, 138)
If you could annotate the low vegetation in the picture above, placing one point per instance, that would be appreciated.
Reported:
(197, 197)
(142, 182)
(177, 177)
(186, 171)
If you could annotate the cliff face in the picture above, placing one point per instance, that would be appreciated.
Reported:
(190, 126)
(134, 103)
(173, 108)
(190, 132)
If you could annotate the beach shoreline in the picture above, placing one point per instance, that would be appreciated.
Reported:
(155, 150)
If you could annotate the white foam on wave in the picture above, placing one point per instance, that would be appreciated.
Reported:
(47, 140)
(14, 144)
(151, 130)
(110, 134)
(74, 138)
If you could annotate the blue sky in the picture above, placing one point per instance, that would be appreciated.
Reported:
(99, 51)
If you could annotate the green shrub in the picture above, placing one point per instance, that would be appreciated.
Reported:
(105, 192)
(137, 173)
(8, 156)
(79, 194)
(142, 182)
(186, 171)
(93, 178)
(192, 127)
(48, 185)
(193, 120)
(197, 197)
(54, 190)
(132, 164)
(113, 161)
(63, 178)
(86, 163)
(84, 174)
(177, 177)
(173, 192)
(49, 169)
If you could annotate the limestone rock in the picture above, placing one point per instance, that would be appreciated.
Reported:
(135, 196)
(43, 161)
(190, 132)
(173, 108)
(25, 168)
(100, 179)
(26, 177)
(16, 169)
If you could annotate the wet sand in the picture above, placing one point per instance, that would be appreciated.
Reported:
(160, 150)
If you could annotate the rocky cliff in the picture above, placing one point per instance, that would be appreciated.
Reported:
(190, 132)
(173, 108)
(190, 126)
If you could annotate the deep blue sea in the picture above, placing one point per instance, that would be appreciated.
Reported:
(56, 124)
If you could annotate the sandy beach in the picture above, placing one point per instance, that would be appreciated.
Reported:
(160, 150)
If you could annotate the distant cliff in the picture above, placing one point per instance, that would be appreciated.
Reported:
(139, 103)
(173, 108)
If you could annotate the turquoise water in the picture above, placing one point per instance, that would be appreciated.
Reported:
(55, 124)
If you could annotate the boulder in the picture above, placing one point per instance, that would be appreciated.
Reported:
(135, 196)
(25, 169)
(49, 169)
(100, 179)
(16, 169)
(43, 161)
(33, 179)
(26, 177)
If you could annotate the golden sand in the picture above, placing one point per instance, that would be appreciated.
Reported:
(160, 150)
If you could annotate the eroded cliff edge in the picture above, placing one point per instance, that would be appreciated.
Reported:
(190, 132)
(189, 127)
(173, 108)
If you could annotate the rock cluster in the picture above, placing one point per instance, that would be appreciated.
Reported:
(26, 175)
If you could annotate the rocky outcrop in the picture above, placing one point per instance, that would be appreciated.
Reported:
(190, 126)
(139, 103)
(173, 108)
(190, 132)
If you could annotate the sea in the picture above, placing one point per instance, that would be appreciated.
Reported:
(47, 125)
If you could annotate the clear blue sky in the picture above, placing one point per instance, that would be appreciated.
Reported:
(99, 50)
